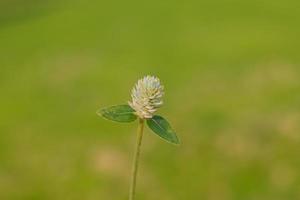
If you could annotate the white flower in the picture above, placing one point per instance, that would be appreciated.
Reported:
(147, 96)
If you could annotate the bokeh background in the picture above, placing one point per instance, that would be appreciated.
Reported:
(232, 79)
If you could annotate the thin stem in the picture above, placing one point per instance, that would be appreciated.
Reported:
(136, 158)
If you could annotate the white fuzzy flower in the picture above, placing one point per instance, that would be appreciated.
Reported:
(147, 96)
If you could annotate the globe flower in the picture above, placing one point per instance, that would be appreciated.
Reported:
(146, 96)
(146, 99)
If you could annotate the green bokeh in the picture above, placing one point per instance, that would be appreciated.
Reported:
(232, 79)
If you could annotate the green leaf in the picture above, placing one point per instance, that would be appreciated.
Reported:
(162, 128)
(120, 113)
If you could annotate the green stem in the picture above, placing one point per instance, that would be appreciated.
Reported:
(136, 158)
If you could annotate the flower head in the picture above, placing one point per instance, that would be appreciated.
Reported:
(146, 96)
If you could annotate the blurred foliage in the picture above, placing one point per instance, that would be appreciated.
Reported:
(231, 74)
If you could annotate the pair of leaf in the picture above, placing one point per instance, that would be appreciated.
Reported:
(124, 113)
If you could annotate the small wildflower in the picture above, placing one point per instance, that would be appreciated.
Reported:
(147, 96)
(146, 99)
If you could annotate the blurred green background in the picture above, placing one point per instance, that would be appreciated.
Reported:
(232, 79)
